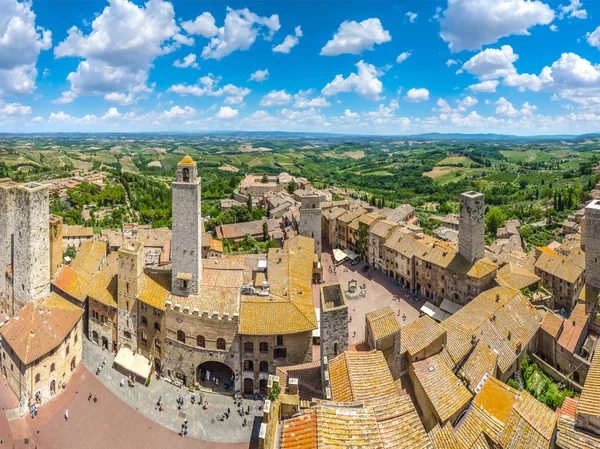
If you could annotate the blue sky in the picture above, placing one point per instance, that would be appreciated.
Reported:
(373, 67)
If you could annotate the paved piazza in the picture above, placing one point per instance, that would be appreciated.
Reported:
(380, 290)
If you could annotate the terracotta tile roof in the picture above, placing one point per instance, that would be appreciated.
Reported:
(77, 231)
(40, 326)
(351, 215)
(289, 308)
(300, 432)
(361, 346)
(501, 317)
(459, 341)
(71, 282)
(444, 437)
(239, 230)
(579, 315)
(383, 228)
(155, 290)
(481, 361)
(446, 393)
(552, 324)
(382, 323)
(514, 276)
(588, 401)
(309, 379)
(89, 258)
(370, 218)
(569, 407)
(419, 334)
(530, 424)
(447, 257)
(337, 424)
(571, 438)
(104, 284)
(562, 267)
(570, 336)
(408, 247)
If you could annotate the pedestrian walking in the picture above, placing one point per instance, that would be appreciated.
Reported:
(90, 397)
(244, 423)
(66, 415)
(95, 399)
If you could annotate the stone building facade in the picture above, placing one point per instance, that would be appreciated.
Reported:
(310, 218)
(131, 268)
(31, 268)
(102, 323)
(56, 234)
(7, 215)
(187, 230)
(334, 321)
(592, 255)
(471, 232)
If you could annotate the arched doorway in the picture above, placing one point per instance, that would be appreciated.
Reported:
(73, 365)
(157, 366)
(248, 386)
(53, 387)
(95, 337)
(105, 343)
(217, 376)
(263, 386)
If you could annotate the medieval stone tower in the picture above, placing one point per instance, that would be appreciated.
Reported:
(55, 224)
(310, 219)
(592, 255)
(7, 226)
(187, 230)
(131, 268)
(31, 268)
(471, 244)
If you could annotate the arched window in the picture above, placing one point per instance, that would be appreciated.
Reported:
(248, 365)
(200, 341)
(181, 336)
(52, 367)
(145, 321)
(249, 347)
(157, 343)
(37, 378)
(144, 336)
(264, 367)
(221, 344)
(186, 175)
(263, 347)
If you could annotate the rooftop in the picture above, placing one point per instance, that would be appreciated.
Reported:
(416, 336)
(589, 404)
(382, 323)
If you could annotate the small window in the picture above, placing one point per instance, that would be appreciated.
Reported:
(37, 378)
(75, 339)
(157, 343)
(249, 347)
(181, 336)
(68, 349)
(248, 365)
(221, 344)
(264, 367)
(127, 335)
(145, 321)
(52, 368)
(144, 336)
(157, 326)
(280, 340)
(200, 341)
(263, 347)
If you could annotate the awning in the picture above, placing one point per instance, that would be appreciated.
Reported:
(339, 255)
(134, 363)
(450, 307)
(351, 254)
(434, 312)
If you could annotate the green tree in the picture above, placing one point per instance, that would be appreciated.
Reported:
(494, 219)
(292, 187)
(264, 179)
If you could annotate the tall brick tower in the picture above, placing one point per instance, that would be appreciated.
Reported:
(31, 268)
(471, 244)
(187, 230)
(131, 268)
(310, 218)
(7, 228)
(592, 255)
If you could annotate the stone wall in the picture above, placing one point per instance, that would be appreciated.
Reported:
(31, 271)
(152, 334)
(7, 207)
(310, 219)
(471, 230)
(592, 254)
(106, 329)
(56, 234)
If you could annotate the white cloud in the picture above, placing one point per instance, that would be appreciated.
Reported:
(207, 85)
(466, 103)
(403, 57)
(188, 61)
(121, 98)
(225, 112)
(470, 24)
(573, 10)
(505, 108)
(491, 63)
(67, 96)
(553, 27)
(46, 73)
(527, 109)
(364, 83)
(112, 114)
(451, 62)
(485, 86)
(412, 16)
(259, 76)
(303, 102)
(119, 51)
(276, 98)
(10, 111)
(203, 25)
(307, 116)
(417, 95)
(593, 38)
(239, 32)
(354, 37)
(289, 42)
(21, 42)
(348, 117)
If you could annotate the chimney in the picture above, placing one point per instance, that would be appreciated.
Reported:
(497, 297)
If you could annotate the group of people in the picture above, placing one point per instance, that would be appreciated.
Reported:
(184, 429)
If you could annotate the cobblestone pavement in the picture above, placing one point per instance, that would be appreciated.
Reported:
(202, 424)
(380, 290)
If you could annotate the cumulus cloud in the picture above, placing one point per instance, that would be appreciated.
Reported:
(451, 62)
(188, 61)
(412, 16)
(208, 85)
(302, 100)
(593, 38)
(225, 112)
(470, 24)
(259, 76)
(403, 57)
(354, 37)
(11, 111)
(239, 32)
(364, 83)
(505, 108)
(203, 25)
(553, 27)
(119, 51)
(289, 42)
(21, 42)
(121, 98)
(484, 86)
(573, 10)
(417, 95)
(276, 98)
(492, 63)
